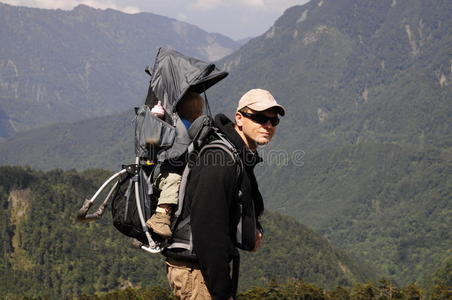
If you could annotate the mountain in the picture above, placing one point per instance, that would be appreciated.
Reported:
(46, 253)
(60, 66)
(364, 153)
(103, 142)
(353, 67)
(244, 40)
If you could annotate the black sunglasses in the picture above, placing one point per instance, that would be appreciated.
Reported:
(261, 119)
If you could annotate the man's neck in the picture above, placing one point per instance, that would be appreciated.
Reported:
(248, 142)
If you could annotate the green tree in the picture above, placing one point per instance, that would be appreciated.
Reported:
(412, 292)
(387, 290)
(442, 280)
(339, 293)
(364, 291)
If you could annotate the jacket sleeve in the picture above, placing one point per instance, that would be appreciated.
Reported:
(214, 179)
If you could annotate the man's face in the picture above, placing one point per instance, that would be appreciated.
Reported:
(256, 133)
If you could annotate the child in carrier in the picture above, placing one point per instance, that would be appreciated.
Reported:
(189, 108)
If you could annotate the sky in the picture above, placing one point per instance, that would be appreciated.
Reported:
(236, 19)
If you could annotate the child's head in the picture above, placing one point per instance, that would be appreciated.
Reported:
(191, 106)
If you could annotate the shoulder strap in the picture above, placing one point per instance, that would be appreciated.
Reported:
(224, 144)
(221, 143)
(185, 241)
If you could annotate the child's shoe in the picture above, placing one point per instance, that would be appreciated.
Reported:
(160, 222)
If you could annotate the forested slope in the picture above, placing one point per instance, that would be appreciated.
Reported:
(45, 252)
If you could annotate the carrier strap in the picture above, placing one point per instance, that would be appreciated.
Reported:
(185, 239)
(235, 272)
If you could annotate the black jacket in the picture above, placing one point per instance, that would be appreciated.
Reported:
(211, 199)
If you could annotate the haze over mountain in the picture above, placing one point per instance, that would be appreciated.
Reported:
(60, 66)
(367, 87)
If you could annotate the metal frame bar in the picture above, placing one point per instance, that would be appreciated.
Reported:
(153, 247)
(83, 212)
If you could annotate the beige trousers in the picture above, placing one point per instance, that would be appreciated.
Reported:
(187, 283)
(169, 185)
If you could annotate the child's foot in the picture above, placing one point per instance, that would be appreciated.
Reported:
(160, 223)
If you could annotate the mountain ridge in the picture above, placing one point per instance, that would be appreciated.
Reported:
(59, 66)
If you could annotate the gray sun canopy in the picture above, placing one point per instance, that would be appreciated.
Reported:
(174, 74)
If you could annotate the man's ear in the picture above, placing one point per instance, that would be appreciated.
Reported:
(238, 119)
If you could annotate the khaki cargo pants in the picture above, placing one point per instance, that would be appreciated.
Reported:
(169, 184)
(187, 283)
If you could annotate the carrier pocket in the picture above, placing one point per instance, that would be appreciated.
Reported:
(150, 130)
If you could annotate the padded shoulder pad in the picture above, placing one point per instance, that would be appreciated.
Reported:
(198, 124)
(219, 145)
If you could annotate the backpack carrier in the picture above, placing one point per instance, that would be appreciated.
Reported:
(133, 193)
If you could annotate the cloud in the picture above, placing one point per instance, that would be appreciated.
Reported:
(255, 3)
(70, 4)
(182, 17)
(240, 6)
(205, 4)
(110, 4)
(214, 4)
(235, 18)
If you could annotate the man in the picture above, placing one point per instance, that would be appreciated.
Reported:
(213, 192)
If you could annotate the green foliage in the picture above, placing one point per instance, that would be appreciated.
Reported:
(386, 203)
(443, 275)
(153, 293)
(67, 258)
(47, 253)
(285, 242)
(291, 290)
(442, 281)
(297, 289)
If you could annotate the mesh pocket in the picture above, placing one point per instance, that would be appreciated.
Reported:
(150, 130)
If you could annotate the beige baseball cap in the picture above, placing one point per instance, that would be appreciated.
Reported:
(259, 100)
